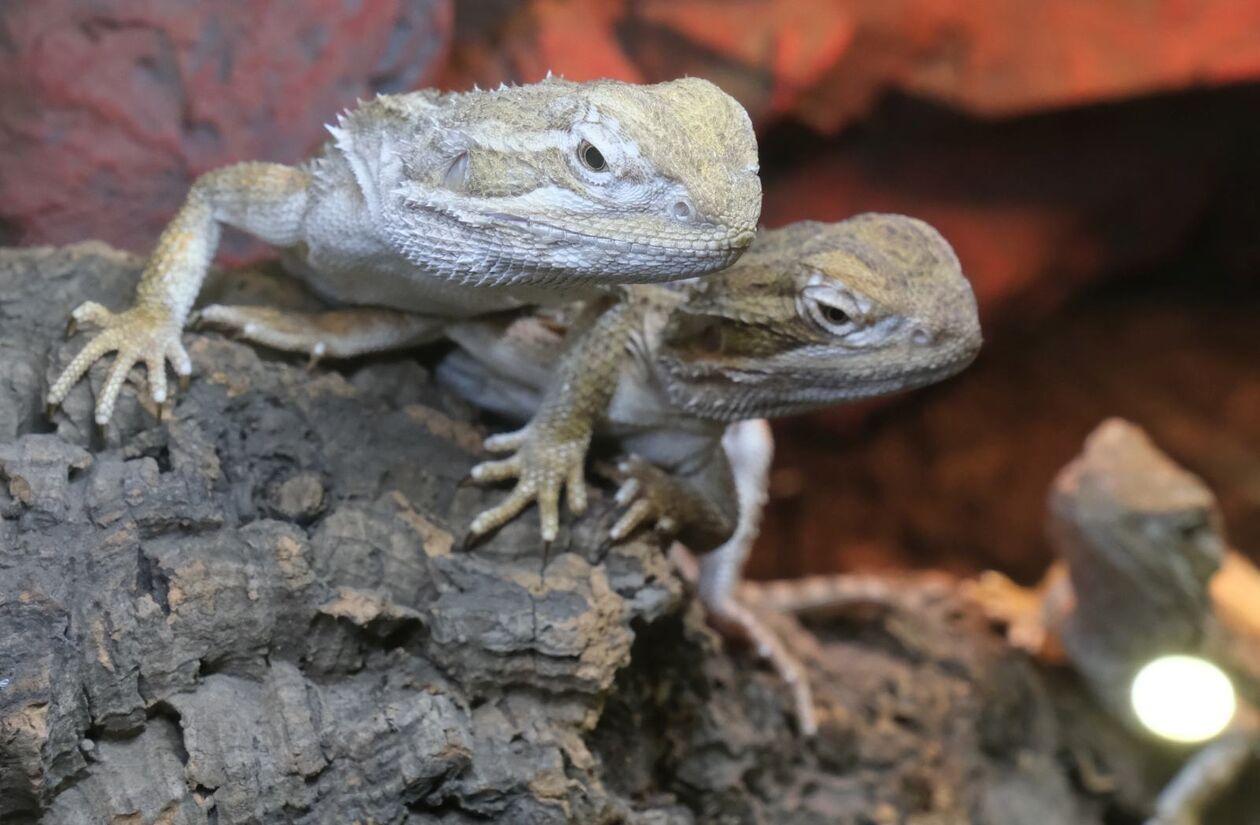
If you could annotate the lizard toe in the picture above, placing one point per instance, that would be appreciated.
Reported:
(575, 489)
(627, 492)
(506, 442)
(497, 470)
(178, 356)
(118, 372)
(502, 513)
(637, 513)
(90, 312)
(79, 365)
(549, 512)
(155, 366)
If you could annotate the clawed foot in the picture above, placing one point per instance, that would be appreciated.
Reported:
(544, 464)
(141, 334)
(646, 493)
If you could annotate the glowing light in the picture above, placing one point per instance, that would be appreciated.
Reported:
(1183, 698)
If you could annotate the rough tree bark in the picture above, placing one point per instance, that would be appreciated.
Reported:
(259, 610)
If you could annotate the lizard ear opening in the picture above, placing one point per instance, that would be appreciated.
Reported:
(457, 173)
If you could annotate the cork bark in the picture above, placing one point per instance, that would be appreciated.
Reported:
(261, 609)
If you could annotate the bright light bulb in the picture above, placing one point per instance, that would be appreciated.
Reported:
(1183, 698)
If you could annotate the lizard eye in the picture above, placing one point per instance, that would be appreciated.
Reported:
(833, 319)
(591, 157)
(835, 315)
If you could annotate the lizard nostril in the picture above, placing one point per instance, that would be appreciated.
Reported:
(683, 211)
(921, 337)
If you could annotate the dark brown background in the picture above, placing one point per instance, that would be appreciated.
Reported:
(1095, 164)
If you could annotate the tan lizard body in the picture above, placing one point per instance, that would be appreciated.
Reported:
(452, 205)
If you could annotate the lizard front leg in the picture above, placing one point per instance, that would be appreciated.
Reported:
(550, 451)
(265, 199)
(699, 508)
(691, 504)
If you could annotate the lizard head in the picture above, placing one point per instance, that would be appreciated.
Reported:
(1132, 523)
(583, 182)
(817, 314)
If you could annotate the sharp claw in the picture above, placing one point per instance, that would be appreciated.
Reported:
(471, 540)
(466, 481)
(626, 493)
(184, 383)
(72, 326)
(317, 353)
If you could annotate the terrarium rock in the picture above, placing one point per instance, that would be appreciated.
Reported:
(260, 608)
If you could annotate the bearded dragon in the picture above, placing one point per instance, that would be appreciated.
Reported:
(1144, 571)
(680, 375)
(452, 205)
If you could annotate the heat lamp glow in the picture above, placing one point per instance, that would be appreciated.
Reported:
(1183, 698)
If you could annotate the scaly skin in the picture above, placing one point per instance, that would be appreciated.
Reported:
(452, 205)
(550, 451)
(1144, 571)
(813, 315)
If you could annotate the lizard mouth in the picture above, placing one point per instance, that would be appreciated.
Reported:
(729, 392)
(707, 244)
(526, 251)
